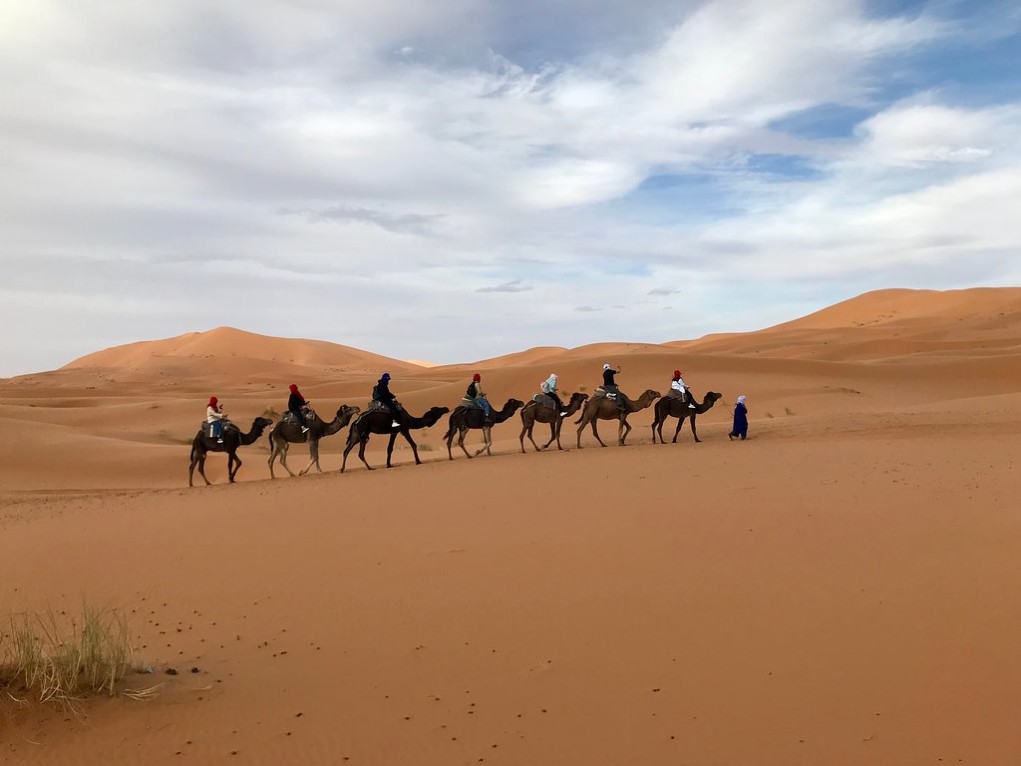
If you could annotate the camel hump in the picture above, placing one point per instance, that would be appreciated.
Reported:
(545, 401)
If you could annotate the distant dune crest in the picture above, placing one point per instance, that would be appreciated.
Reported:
(873, 326)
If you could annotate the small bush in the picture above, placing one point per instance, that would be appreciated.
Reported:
(788, 411)
(49, 660)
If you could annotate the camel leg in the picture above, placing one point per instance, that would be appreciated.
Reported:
(450, 442)
(680, 422)
(485, 443)
(272, 458)
(350, 445)
(580, 429)
(237, 466)
(552, 435)
(521, 438)
(191, 468)
(595, 432)
(627, 429)
(461, 433)
(693, 431)
(361, 451)
(414, 447)
(313, 458)
(556, 426)
(202, 470)
(283, 459)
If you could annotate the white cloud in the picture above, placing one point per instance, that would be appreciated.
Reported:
(424, 149)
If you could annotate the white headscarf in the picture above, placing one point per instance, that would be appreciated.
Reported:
(740, 399)
(606, 366)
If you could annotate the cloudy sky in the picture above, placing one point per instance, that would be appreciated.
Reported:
(455, 179)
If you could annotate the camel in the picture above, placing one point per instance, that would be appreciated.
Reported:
(462, 419)
(380, 422)
(536, 413)
(232, 439)
(672, 407)
(606, 409)
(289, 431)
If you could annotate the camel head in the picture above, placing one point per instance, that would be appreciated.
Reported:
(648, 397)
(261, 424)
(578, 398)
(711, 397)
(513, 405)
(346, 412)
(433, 415)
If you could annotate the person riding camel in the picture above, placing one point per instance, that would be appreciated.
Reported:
(477, 396)
(215, 417)
(296, 405)
(381, 393)
(679, 390)
(549, 387)
(610, 385)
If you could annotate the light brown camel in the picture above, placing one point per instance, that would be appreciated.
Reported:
(536, 413)
(379, 422)
(462, 419)
(672, 407)
(232, 439)
(289, 431)
(602, 408)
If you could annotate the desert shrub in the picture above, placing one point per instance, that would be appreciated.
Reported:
(52, 660)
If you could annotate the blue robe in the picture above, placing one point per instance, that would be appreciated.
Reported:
(740, 420)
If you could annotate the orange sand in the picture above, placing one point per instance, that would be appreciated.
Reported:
(837, 590)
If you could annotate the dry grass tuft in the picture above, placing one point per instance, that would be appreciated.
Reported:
(50, 660)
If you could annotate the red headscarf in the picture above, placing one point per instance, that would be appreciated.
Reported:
(677, 374)
(212, 402)
(293, 388)
(476, 377)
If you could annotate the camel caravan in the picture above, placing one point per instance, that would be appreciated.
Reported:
(385, 416)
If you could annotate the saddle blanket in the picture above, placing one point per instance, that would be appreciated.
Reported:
(545, 401)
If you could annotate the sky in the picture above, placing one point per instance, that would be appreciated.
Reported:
(455, 179)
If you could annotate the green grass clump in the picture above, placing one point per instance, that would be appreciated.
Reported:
(51, 660)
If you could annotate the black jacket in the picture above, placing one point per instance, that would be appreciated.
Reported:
(608, 377)
(295, 402)
(382, 393)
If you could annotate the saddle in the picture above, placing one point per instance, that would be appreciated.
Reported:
(376, 406)
(471, 404)
(602, 393)
(544, 400)
(206, 428)
(288, 417)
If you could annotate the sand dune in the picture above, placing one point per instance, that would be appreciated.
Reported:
(835, 590)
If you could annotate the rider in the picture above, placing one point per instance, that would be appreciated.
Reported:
(549, 387)
(215, 416)
(677, 384)
(381, 393)
(610, 385)
(478, 396)
(296, 405)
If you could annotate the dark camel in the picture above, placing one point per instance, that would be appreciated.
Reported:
(379, 422)
(289, 431)
(536, 413)
(232, 439)
(607, 409)
(672, 407)
(463, 419)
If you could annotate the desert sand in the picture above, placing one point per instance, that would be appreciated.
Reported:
(839, 589)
